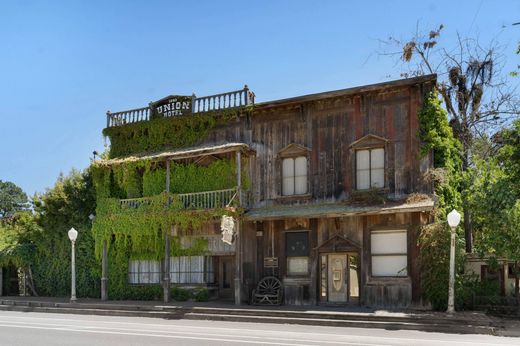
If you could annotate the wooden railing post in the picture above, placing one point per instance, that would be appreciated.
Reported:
(239, 179)
(104, 272)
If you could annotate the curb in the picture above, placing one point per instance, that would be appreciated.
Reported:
(420, 322)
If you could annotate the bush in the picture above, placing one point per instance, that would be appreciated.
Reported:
(202, 295)
(180, 294)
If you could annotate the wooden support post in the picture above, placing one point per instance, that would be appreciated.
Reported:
(168, 176)
(238, 265)
(166, 277)
(239, 180)
(104, 272)
(1, 281)
(238, 239)
(166, 266)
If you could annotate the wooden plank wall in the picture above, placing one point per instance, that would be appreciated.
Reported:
(391, 292)
(327, 128)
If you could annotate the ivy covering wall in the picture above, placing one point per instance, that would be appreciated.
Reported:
(438, 141)
(166, 133)
(139, 232)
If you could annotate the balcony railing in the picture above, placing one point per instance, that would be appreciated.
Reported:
(195, 200)
(229, 100)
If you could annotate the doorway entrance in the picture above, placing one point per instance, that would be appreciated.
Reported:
(226, 274)
(339, 278)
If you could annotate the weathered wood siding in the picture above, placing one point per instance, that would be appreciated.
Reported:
(328, 128)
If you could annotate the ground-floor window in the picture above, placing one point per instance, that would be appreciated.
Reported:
(183, 270)
(297, 252)
(389, 253)
(144, 272)
(192, 270)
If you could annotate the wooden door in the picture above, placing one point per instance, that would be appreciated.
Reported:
(337, 278)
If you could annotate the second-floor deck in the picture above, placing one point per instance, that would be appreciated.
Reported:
(196, 200)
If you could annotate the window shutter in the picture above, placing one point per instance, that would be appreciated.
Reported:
(377, 165)
(363, 169)
(300, 175)
(288, 177)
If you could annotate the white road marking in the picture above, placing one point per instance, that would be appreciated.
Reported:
(181, 337)
(149, 323)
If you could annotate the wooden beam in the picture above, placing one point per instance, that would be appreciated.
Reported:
(239, 180)
(104, 272)
(168, 175)
(238, 265)
(166, 266)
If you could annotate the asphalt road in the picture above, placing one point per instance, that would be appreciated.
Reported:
(30, 328)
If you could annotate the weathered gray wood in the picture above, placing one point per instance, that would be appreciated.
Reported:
(1, 281)
(238, 265)
(239, 179)
(104, 272)
(166, 268)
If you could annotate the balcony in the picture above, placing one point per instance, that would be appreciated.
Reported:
(214, 103)
(196, 200)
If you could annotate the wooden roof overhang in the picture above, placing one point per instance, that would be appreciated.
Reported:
(190, 153)
(378, 87)
(334, 210)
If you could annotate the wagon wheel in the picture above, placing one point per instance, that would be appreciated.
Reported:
(269, 284)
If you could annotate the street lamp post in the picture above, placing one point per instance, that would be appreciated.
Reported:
(453, 221)
(73, 234)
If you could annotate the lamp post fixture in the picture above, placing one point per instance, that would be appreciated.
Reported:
(73, 234)
(453, 221)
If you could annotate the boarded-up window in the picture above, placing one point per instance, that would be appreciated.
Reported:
(294, 176)
(389, 253)
(144, 272)
(192, 270)
(370, 168)
(297, 253)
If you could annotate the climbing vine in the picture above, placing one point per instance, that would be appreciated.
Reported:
(137, 230)
(437, 140)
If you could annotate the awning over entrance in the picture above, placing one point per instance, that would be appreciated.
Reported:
(336, 210)
(185, 153)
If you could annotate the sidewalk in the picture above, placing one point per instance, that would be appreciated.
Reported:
(344, 316)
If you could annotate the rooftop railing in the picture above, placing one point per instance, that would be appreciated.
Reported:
(219, 102)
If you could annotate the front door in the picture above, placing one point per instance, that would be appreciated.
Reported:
(226, 276)
(337, 280)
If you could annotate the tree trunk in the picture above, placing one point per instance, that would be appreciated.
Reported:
(468, 229)
(30, 282)
(517, 280)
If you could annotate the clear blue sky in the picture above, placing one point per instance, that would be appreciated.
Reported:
(63, 64)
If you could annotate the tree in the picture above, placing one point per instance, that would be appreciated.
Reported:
(12, 199)
(17, 246)
(497, 183)
(472, 84)
(67, 204)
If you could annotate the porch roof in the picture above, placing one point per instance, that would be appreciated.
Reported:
(336, 210)
(184, 153)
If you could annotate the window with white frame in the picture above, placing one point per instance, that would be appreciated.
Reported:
(389, 252)
(144, 272)
(192, 270)
(294, 176)
(370, 168)
(297, 253)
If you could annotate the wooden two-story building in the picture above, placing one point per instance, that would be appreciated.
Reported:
(329, 186)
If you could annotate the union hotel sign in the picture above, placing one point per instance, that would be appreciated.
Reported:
(172, 106)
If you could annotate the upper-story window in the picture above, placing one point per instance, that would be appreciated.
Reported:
(370, 168)
(294, 170)
(369, 162)
(294, 174)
